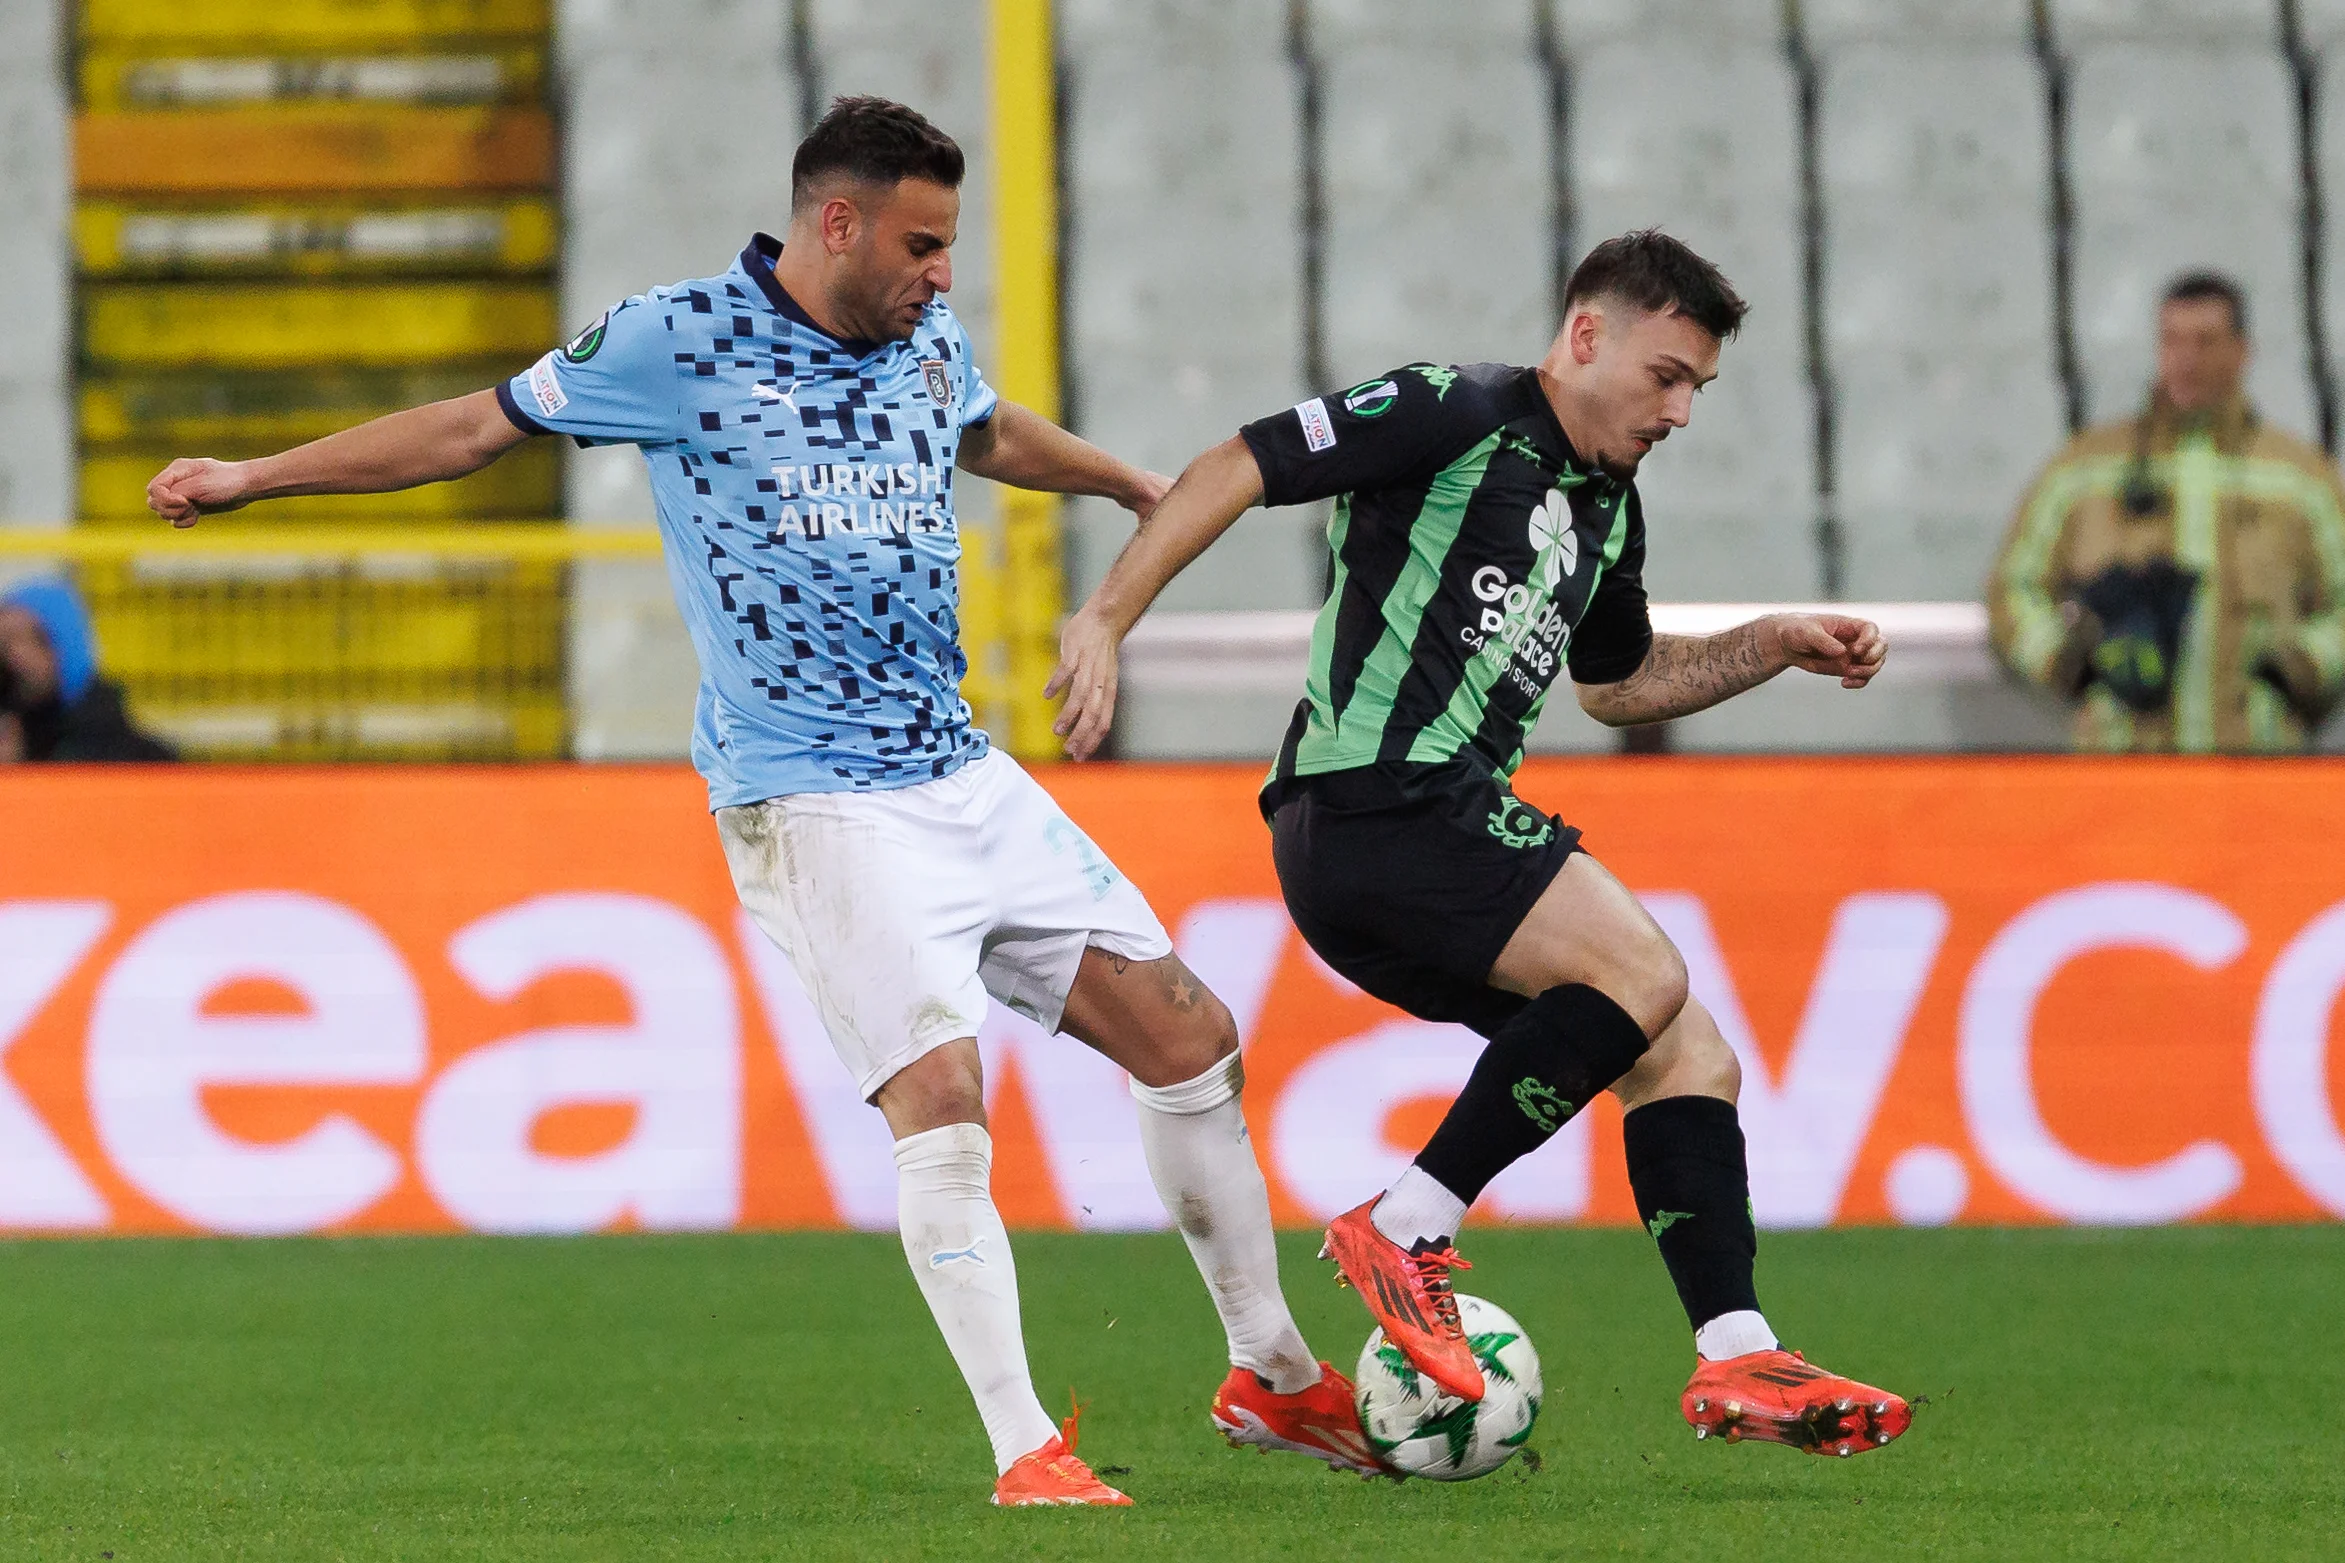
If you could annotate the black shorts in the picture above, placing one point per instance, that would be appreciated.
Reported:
(1410, 881)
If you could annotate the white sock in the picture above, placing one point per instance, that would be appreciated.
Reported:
(1417, 1209)
(1194, 1135)
(960, 1255)
(1733, 1335)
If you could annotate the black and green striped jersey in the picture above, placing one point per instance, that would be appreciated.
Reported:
(1476, 557)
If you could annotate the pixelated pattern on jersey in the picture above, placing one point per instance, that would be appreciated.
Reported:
(815, 485)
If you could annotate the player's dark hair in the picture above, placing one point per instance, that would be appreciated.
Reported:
(2193, 286)
(874, 141)
(1650, 271)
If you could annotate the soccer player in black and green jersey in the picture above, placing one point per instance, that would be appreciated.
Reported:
(1487, 537)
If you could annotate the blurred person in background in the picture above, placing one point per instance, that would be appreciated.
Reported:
(57, 707)
(2180, 575)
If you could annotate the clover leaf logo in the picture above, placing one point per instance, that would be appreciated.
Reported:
(1552, 539)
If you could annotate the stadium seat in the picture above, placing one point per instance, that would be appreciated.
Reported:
(2081, 23)
(1174, 29)
(1736, 490)
(1184, 280)
(673, 117)
(677, 122)
(933, 58)
(37, 460)
(1937, 307)
(2320, 24)
(1932, 452)
(1833, 24)
(1511, 24)
(719, 31)
(1440, 234)
(2181, 156)
(1719, 23)
(35, 259)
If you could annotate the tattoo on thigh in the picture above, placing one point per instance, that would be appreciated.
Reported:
(1180, 983)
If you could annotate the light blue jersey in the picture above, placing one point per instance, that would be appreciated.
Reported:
(805, 496)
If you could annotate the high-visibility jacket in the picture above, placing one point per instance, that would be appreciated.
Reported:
(2255, 514)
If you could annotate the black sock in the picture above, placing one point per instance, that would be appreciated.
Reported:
(1539, 1070)
(1693, 1188)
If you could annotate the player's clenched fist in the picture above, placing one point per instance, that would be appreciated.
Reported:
(193, 487)
(1831, 643)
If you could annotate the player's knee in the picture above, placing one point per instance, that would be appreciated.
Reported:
(1655, 983)
(1202, 1036)
(1705, 1065)
(940, 1087)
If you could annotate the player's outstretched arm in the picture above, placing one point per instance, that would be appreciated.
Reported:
(427, 444)
(1683, 674)
(1213, 491)
(1022, 448)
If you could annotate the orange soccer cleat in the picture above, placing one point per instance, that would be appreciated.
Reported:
(1321, 1421)
(1409, 1296)
(1051, 1475)
(1776, 1396)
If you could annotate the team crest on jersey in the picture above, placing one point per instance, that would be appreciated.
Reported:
(589, 342)
(1554, 543)
(938, 374)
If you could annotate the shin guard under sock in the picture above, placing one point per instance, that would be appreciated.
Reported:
(1693, 1189)
(1539, 1070)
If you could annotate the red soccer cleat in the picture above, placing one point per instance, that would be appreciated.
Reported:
(1408, 1294)
(1321, 1421)
(1777, 1397)
(1051, 1475)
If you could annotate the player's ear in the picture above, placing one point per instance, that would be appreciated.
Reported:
(1581, 331)
(840, 222)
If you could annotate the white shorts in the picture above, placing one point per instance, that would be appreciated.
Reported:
(901, 910)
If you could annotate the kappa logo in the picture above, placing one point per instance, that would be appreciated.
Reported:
(1541, 1103)
(938, 374)
(1553, 540)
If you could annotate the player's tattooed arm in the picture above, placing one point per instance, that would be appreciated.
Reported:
(1683, 674)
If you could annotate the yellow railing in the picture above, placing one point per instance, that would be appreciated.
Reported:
(250, 640)
(514, 541)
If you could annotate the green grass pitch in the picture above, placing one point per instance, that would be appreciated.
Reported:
(2092, 1395)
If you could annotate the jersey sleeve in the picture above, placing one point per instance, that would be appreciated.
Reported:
(1616, 632)
(612, 384)
(1386, 431)
(979, 400)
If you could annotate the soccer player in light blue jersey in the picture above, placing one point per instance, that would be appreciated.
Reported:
(804, 415)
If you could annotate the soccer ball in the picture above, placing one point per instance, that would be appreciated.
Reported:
(1419, 1431)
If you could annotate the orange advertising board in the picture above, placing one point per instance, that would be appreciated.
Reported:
(524, 1000)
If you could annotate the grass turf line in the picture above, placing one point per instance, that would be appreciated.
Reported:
(2137, 1394)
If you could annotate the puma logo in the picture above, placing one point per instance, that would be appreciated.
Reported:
(1663, 1220)
(767, 393)
(957, 1256)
